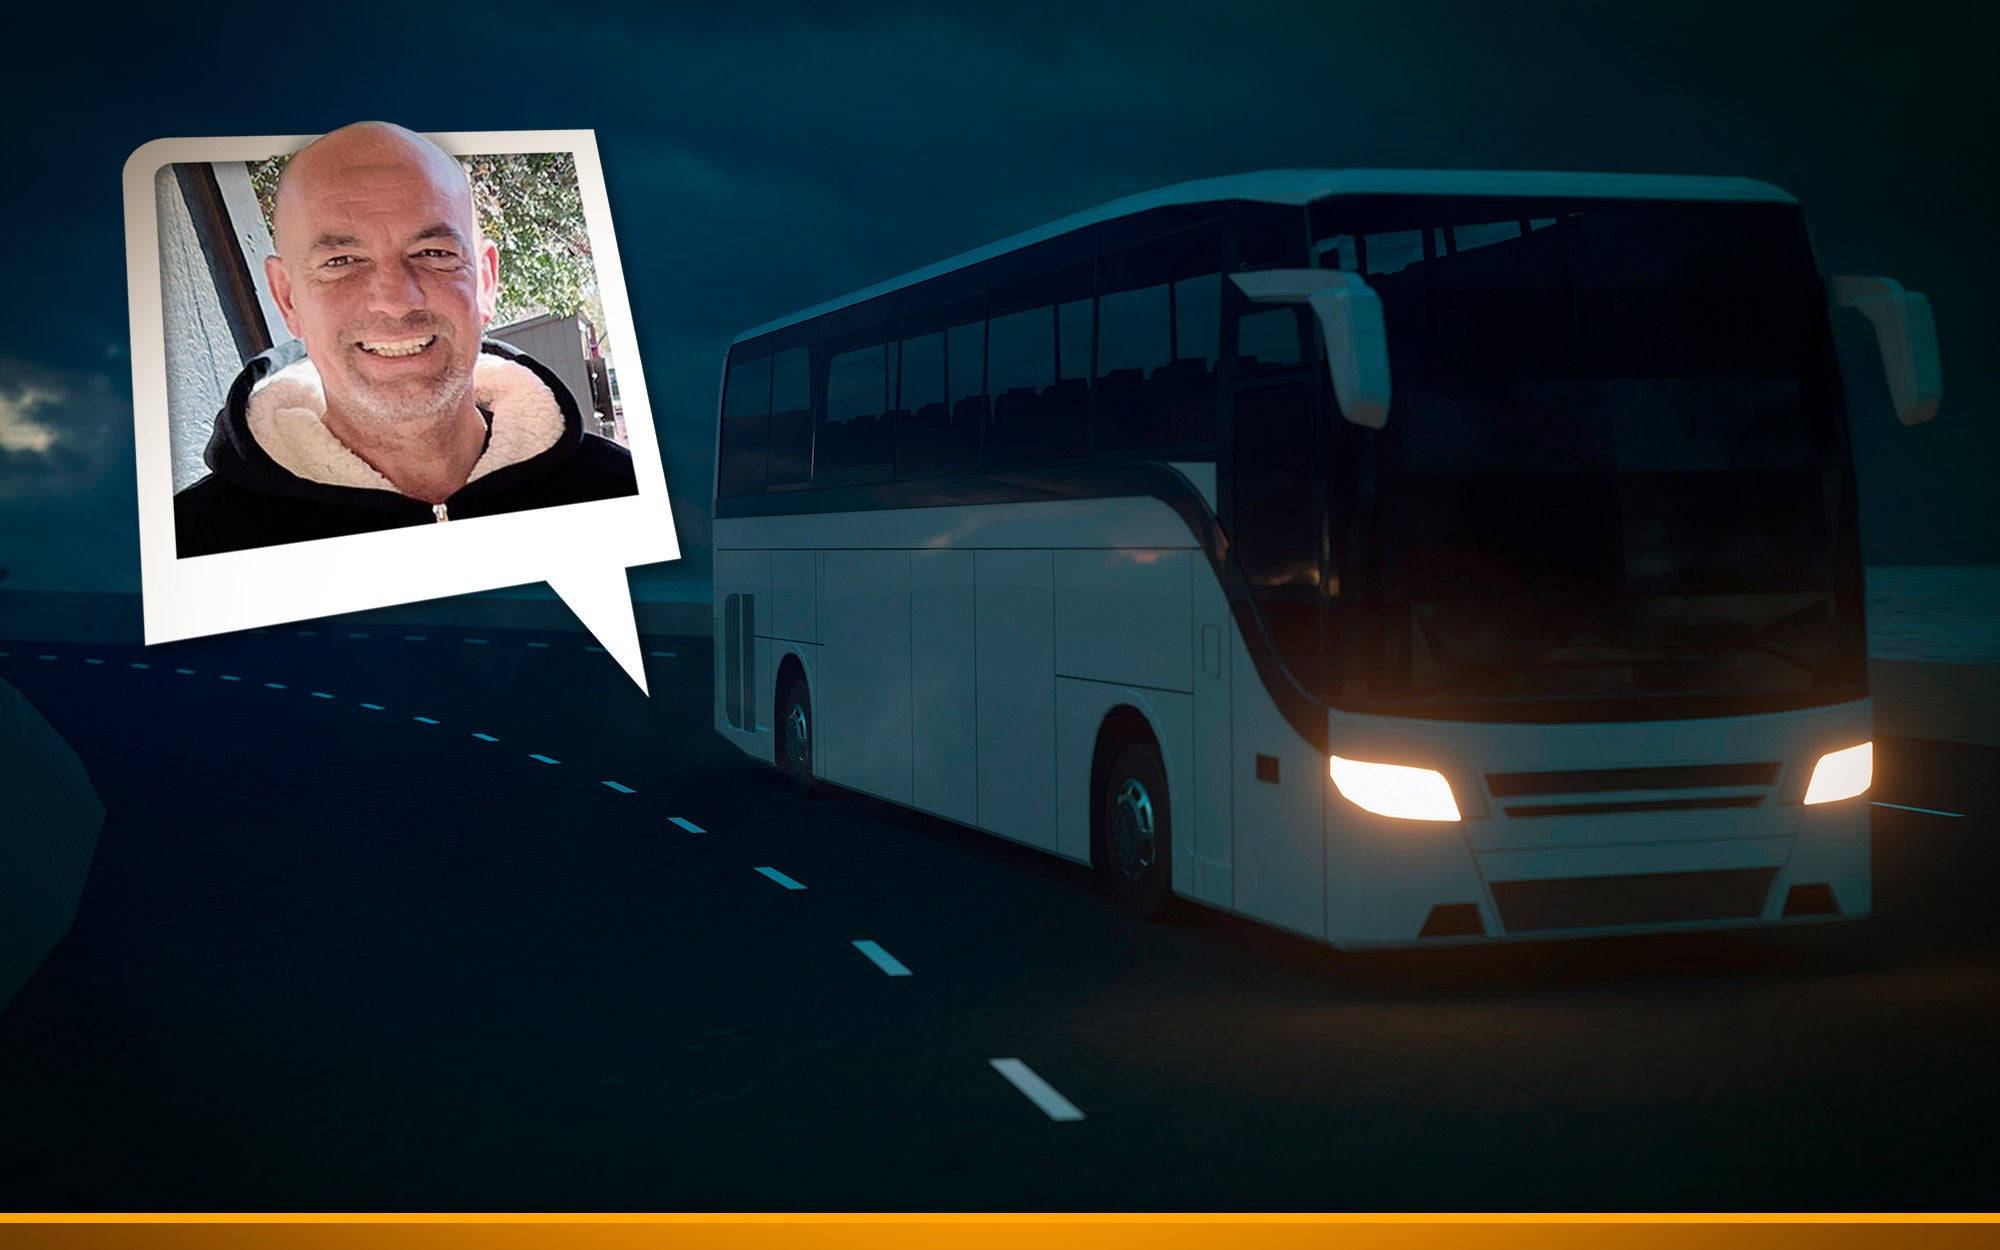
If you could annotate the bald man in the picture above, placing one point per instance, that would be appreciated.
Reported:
(389, 409)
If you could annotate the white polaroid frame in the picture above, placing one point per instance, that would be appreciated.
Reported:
(581, 549)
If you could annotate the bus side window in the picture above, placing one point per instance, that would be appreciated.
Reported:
(791, 419)
(1041, 401)
(1159, 334)
(965, 378)
(856, 442)
(746, 407)
(941, 401)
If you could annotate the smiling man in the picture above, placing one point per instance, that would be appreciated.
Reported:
(389, 409)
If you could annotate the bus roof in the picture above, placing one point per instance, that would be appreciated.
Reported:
(1303, 186)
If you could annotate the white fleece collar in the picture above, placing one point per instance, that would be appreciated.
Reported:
(287, 411)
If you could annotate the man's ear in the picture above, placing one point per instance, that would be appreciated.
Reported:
(489, 280)
(280, 283)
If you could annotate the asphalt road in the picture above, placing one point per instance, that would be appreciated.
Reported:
(369, 929)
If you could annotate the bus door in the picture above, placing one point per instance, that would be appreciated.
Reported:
(1274, 514)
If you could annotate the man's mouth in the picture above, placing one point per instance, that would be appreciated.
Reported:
(396, 347)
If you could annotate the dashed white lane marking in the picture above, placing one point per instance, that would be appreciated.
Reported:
(599, 650)
(882, 959)
(621, 789)
(665, 655)
(321, 694)
(135, 663)
(781, 878)
(477, 641)
(231, 677)
(308, 633)
(414, 638)
(273, 685)
(538, 644)
(1928, 811)
(1039, 1092)
(426, 720)
(49, 657)
(185, 671)
(373, 707)
(486, 737)
(544, 759)
(92, 660)
(686, 824)
(357, 635)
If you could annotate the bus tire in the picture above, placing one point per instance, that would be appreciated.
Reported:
(1137, 827)
(793, 739)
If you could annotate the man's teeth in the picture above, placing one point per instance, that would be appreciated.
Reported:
(398, 347)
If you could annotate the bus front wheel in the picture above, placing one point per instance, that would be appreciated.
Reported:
(795, 738)
(1137, 829)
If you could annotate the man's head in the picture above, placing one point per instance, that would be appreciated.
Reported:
(382, 272)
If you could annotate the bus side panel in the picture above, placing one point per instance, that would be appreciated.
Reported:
(795, 595)
(943, 695)
(862, 704)
(1081, 707)
(1280, 874)
(1122, 615)
(1014, 637)
(746, 574)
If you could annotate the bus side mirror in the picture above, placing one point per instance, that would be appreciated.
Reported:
(1349, 312)
(1907, 336)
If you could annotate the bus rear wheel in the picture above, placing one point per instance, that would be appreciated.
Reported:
(794, 738)
(1136, 826)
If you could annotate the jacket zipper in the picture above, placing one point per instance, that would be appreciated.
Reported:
(437, 510)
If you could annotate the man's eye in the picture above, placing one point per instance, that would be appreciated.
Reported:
(438, 253)
(336, 262)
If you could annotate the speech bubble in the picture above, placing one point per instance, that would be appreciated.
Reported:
(580, 549)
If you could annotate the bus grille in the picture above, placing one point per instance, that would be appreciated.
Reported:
(1651, 898)
(1602, 791)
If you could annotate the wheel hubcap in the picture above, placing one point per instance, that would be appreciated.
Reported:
(1132, 829)
(798, 740)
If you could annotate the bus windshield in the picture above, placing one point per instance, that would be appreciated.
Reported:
(1615, 466)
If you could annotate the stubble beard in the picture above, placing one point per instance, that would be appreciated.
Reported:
(407, 401)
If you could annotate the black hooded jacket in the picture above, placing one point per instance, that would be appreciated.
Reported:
(284, 478)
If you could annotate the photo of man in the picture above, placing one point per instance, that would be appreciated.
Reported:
(390, 407)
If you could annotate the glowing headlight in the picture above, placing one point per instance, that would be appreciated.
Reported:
(1393, 789)
(1842, 774)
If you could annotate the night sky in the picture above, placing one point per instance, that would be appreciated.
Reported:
(757, 165)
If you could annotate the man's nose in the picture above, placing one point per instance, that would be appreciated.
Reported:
(394, 289)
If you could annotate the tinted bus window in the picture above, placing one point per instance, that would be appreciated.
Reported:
(965, 377)
(854, 435)
(1159, 341)
(790, 460)
(746, 404)
(942, 402)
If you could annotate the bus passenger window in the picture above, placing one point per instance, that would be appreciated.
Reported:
(791, 419)
(746, 405)
(1134, 342)
(856, 433)
(1033, 419)
(1159, 335)
(965, 378)
(923, 419)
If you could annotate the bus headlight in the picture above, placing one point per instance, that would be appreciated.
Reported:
(1842, 774)
(1393, 789)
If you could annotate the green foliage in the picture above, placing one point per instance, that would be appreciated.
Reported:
(530, 206)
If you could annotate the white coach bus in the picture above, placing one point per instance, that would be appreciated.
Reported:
(1114, 539)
